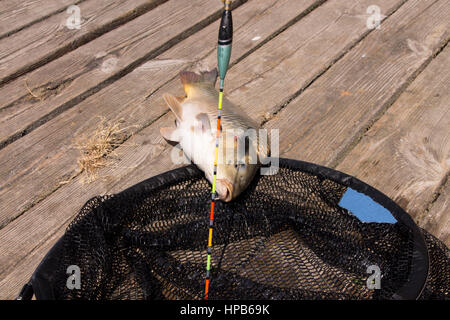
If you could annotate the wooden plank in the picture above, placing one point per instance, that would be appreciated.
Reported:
(437, 219)
(283, 68)
(149, 156)
(11, 285)
(18, 14)
(141, 104)
(60, 84)
(406, 154)
(326, 119)
(48, 39)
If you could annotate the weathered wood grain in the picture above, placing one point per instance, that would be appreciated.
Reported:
(48, 39)
(60, 84)
(137, 98)
(326, 119)
(11, 285)
(406, 154)
(18, 14)
(284, 67)
(437, 219)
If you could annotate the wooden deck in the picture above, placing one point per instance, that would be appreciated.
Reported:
(371, 102)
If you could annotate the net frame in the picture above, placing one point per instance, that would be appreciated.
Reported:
(42, 281)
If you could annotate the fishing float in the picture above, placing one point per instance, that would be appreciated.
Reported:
(223, 59)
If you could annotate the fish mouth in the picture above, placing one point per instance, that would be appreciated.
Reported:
(225, 190)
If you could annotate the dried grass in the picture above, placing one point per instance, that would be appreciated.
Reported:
(31, 92)
(97, 150)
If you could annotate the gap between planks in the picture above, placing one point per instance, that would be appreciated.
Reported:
(437, 215)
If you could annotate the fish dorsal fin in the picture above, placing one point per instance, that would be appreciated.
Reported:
(188, 79)
(174, 105)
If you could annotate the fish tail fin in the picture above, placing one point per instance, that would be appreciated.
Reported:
(189, 78)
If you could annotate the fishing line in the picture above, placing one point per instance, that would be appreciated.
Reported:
(223, 59)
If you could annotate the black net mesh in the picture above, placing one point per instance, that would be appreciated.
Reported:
(286, 237)
(438, 282)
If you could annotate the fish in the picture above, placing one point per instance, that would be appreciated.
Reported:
(240, 151)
